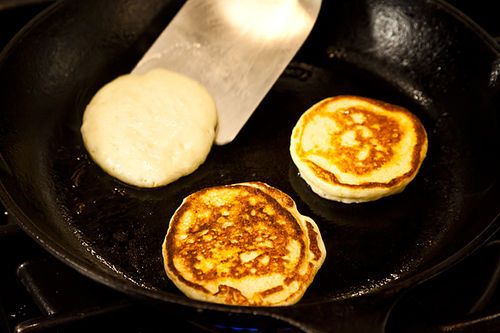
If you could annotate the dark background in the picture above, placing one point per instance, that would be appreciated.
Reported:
(419, 312)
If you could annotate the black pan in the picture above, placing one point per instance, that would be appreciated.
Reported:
(423, 55)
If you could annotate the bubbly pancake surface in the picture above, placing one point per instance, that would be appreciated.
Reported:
(242, 244)
(355, 149)
(149, 130)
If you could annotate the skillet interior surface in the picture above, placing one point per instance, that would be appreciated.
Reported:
(417, 55)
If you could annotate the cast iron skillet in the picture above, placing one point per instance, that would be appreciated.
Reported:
(423, 55)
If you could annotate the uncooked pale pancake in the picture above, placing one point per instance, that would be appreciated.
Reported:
(149, 130)
(354, 149)
(242, 244)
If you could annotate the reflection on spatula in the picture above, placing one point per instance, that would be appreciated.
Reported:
(236, 48)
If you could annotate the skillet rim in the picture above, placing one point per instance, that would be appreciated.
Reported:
(471, 24)
(108, 279)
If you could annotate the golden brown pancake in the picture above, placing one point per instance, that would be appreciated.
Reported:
(242, 244)
(355, 149)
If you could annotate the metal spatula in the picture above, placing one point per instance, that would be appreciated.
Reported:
(236, 48)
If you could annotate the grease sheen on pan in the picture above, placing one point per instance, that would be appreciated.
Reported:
(149, 130)
(355, 149)
(242, 244)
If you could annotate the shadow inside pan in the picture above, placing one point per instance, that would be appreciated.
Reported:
(367, 244)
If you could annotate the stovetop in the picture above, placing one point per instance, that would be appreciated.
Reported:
(40, 294)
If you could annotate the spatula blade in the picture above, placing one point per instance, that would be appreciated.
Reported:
(236, 48)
